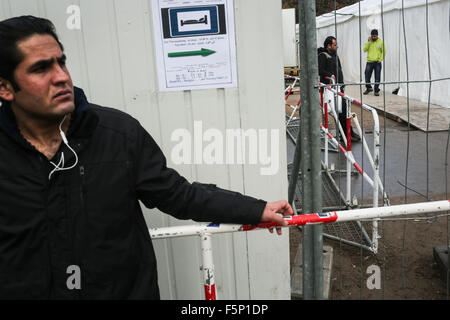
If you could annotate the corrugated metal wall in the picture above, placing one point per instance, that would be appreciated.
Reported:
(112, 58)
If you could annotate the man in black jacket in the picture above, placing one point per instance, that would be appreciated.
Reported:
(330, 67)
(71, 177)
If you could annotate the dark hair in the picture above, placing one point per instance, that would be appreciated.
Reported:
(374, 32)
(18, 29)
(328, 41)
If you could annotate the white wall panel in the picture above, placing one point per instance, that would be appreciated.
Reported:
(259, 46)
(113, 59)
(20, 7)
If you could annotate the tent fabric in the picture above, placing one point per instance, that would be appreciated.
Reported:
(367, 8)
(402, 62)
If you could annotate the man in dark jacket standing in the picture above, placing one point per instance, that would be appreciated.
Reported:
(71, 177)
(330, 67)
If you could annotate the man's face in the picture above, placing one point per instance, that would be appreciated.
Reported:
(374, 37)
(46, 88)
(332, 48)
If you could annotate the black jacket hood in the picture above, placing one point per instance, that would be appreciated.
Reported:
(82, 115)
(321, 49)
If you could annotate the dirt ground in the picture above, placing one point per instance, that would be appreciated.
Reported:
(405, 256)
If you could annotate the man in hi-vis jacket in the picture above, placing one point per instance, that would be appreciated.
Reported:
(375, 54)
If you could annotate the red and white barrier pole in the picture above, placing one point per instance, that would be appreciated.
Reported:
(349, 150)
(321, 96)
(290, 88)
(360, 214)
(326, 133)
(208, 267)
(293, 112)
(303, 219)
(205, 230)
(349, 157)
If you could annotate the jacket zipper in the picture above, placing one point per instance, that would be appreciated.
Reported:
(50, 275)
(83, 213)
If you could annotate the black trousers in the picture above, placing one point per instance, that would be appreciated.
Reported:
(343, 114)
(370, 68)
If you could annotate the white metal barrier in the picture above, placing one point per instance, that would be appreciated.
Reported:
(374, 161)
(329, 102)
(205, 230)
(289, 90)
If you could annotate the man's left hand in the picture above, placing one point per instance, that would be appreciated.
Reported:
(272, 213)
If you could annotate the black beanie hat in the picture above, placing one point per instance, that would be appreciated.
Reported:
(374, 32)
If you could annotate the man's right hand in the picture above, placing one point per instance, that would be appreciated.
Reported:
(274, 212)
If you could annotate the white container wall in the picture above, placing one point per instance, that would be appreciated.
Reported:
(289, 38)
(112, 57)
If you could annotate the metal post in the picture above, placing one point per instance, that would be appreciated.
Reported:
(310, 151)
(326, 134)
(208, 266)
(349, 148)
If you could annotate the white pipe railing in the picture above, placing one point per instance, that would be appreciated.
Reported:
(205, 230)
(291, 86)
(290, 89)
(374, 161)
(328, 105)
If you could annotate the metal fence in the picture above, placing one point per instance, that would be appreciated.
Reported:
(410, 250)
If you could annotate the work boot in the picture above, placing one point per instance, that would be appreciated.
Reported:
(368, 90)
(377, 93)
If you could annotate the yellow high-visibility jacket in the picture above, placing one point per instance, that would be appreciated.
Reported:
(376, 50)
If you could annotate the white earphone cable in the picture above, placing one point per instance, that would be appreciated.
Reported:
(60, 165)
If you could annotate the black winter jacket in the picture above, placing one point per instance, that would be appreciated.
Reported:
(329, 64)
(90, 216)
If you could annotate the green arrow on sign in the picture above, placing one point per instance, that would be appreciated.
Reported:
(204, 52)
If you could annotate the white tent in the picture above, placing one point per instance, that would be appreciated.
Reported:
(402, 62)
